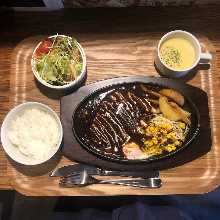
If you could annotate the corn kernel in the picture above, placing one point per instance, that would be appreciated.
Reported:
(169, 149)
(155, 141)
(182, 125)
(150, 143)
(169, 135)
(164, 131)
(169, 127)
(177, 142)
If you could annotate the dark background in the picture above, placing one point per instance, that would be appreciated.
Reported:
(22, 3)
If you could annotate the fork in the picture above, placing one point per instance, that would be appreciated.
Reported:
(84, 179)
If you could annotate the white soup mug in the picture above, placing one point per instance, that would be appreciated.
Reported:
(200, 57)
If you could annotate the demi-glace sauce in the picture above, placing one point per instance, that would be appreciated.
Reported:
(178, 53)
(110, 119)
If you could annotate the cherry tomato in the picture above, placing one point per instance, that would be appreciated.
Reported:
(44, 47)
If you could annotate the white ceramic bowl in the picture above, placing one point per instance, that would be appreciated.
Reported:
(12, 150)
(69, 85)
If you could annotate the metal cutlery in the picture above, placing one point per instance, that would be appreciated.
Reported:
(92, 170)
(84, 179)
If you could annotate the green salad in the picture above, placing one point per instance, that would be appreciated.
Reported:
(58, 60)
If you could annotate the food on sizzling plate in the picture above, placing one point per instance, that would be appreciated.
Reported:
(178, 53)
(172, 111)
(34, 132)
(135, 122)
(58, 60)
(174, 95)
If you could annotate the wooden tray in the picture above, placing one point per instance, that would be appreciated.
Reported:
(106, 59)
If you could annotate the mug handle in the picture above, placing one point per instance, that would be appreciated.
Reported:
(205, 57)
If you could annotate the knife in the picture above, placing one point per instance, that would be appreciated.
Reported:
(92, 170)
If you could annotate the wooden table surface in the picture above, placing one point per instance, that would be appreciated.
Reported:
(118, 42)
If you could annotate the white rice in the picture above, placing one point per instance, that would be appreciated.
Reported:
(35, 132)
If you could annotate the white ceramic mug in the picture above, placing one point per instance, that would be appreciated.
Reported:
(200, 57)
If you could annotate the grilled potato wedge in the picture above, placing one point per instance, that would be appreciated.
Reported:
(173, 95)
(172, 111)
(167, 110)
(184, 114)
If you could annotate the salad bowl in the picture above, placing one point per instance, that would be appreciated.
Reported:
(43, 48)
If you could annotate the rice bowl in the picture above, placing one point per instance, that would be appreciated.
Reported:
(31, 133)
